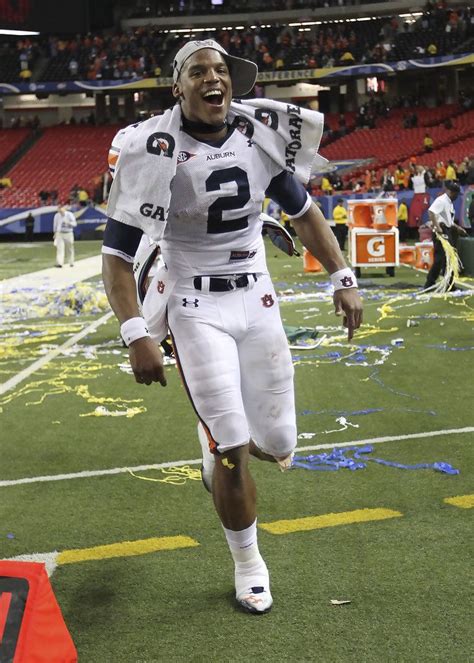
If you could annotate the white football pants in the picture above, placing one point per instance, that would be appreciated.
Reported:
(235, 364)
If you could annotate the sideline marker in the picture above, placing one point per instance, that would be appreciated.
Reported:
(32, 627)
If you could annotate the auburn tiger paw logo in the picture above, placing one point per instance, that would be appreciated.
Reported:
(347, 282)
(267, 301)
(160, 286)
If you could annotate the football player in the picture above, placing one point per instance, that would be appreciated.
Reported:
(222, 310)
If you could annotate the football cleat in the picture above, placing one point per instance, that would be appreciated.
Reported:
(252, 587)
(286, 463)
(208, 460)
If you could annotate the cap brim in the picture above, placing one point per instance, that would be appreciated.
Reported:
(243, 74)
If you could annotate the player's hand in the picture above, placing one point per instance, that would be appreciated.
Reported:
(348, 303)
(147, 361)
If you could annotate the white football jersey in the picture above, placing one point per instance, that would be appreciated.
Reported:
(216, 198)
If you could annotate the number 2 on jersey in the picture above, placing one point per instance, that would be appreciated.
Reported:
(215, 222)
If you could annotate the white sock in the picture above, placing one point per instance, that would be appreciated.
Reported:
(250, 569)
(243, 543)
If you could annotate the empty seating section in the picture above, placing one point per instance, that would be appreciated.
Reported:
(10, 141)
(390, 144)
(64, 156)
(427, 117)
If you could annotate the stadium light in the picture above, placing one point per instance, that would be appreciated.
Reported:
(18, 33)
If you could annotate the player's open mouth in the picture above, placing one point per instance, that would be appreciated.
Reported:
(214, 97)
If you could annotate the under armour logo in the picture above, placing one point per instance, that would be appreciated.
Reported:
(192, 302)
(160, 286)
(267, 301)
(347, 282)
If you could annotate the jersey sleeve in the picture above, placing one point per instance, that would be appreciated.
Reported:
(121, 240)
(290, 194)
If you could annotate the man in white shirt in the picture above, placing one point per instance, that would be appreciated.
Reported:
(419, 184)
(441, 213)
(64, 223)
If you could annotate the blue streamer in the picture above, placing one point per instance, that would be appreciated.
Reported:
(337, 459)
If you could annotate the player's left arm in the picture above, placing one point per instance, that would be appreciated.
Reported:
(316, 235)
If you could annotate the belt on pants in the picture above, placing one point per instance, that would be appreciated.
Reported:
(223, 284)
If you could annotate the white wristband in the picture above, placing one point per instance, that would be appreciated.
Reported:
(343, 278)
(133, 329)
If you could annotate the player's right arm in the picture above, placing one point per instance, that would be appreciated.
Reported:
(120, 244)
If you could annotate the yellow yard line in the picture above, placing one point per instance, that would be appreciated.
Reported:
(328, 520)
(126, 549)
(462, 501)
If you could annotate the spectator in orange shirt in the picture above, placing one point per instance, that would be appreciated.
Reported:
(400, 177)
(440, 171)
(368, 180)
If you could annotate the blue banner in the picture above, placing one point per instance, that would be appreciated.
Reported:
(357, 70)
(12, 221)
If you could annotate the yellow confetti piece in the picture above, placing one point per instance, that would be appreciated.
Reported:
(228, 464)
(101, 411)
(176, 476)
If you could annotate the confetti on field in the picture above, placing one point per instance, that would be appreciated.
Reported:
(338, 602)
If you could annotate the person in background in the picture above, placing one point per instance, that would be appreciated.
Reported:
(339, 214)
(64, 223)
(387, 181)
(326, 186)
(441, 214)
(29, 227)
(400, 178)
(428, 143)
(402, 219)
(451, 174)
(82, 197)
(418, 180)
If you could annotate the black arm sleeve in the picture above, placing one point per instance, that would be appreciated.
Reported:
(122, 238)
(288, 192)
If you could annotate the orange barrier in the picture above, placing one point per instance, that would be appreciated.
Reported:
(407, 254)
(32, 628)
(310, 264)
(424, 254)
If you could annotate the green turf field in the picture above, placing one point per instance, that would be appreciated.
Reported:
(405, 572)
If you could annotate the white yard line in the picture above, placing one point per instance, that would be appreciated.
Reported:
(29, 370)
(178, 463)
(53, 278)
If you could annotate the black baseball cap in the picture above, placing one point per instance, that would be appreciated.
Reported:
(453, 186)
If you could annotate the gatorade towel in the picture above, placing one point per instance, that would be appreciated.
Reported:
(32, 628)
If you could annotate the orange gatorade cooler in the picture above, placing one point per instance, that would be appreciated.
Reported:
(310, 264)
(407, 254)
(424, 254)
(376, 213)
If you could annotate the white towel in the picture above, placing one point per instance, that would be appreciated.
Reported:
(290, 135)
